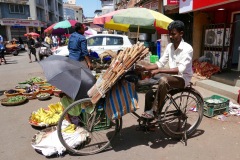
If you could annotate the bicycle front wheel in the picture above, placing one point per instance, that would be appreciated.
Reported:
(97, 128)
(182, 112)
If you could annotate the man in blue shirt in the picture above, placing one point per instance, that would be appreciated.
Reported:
(77, 46)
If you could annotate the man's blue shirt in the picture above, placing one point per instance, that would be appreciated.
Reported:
(77, 47)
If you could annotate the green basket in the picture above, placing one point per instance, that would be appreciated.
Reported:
(212, 109)
(104, 122)
(153, 58)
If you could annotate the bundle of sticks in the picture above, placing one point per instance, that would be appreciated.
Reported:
(119, 65)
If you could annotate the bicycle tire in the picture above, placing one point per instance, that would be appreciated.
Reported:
(187, 99)
(99, 136)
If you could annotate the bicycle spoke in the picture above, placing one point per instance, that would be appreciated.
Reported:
(99, 129)
(177, 116)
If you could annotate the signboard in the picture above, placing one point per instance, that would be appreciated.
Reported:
(170, 2)
(193, 5)
(185, 6)
(19, 22)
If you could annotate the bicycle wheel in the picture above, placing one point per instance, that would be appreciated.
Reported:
(181, 112)
(100, 130)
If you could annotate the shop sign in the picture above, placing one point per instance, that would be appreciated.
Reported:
(193, 5)
(170, 2)
(17, 22)
(185, 6)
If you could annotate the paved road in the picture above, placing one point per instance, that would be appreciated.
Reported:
(214, 140)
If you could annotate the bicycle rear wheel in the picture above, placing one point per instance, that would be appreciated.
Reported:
(182, 112)
(100, 130)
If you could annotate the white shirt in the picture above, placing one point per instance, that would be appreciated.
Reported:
(181, 58)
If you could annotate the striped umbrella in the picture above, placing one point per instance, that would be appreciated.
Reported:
(101, 20)
(140, 18)
(61, 25)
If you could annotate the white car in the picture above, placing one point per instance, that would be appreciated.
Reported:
(101, 42)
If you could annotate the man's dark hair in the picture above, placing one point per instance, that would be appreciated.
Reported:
(178, 25)
(78, 26)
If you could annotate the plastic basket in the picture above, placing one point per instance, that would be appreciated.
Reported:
(104, 122)
(153, 58)
(212, 109)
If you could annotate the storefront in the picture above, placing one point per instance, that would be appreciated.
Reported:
(216, 24)
(15, 28)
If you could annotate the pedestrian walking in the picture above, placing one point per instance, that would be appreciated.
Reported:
(2, 49)
(31, 47)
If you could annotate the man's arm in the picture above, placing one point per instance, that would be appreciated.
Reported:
(88, 62)
(165, 70)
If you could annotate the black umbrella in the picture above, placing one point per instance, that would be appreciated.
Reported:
(68, 75)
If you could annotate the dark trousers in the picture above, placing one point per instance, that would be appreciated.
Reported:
(155, 99)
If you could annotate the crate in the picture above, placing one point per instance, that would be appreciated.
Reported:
(104, 123)
(212, 109)
(153, 58)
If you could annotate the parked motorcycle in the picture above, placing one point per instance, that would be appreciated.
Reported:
(12, 48)
(44, 51)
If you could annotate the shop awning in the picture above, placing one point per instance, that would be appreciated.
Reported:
(194, 5)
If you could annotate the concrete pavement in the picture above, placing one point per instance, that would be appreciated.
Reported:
(214, 139)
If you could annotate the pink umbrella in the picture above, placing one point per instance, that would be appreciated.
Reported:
(106, 17)
(50, 28)
(61, 25)
(90, 31)
(32, 33)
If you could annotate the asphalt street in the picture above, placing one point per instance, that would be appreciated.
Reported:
(214, 139)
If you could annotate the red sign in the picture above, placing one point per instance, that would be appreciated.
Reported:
(200, 4)
(193, 5)
(172, 2)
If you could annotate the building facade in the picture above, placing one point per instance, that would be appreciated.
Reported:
(18, 17)
(107, 6)
(72, 11)
(216, 30)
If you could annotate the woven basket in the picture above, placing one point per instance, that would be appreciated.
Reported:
(46, 85)
(43, 98)
(5, 102)
(31, 95)
(20, 91)
(42, 82)
(56, 92)
(46, 90)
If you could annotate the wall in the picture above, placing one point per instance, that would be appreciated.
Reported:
(200, 19)
(6, 14)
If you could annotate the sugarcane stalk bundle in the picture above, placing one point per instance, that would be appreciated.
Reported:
(119, 65)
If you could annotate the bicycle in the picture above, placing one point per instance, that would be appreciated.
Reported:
(179, 117)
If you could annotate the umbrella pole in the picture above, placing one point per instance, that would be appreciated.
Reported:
(137, 33)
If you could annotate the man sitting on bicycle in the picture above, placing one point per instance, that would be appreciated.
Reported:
(179, 56)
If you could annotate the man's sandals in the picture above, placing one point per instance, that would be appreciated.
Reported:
(148, 115)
